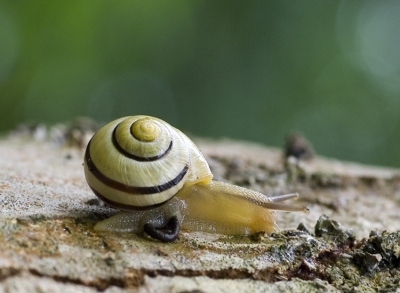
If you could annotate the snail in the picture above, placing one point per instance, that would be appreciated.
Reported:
(161, 181)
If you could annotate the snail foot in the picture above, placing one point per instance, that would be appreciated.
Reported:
(169, 233)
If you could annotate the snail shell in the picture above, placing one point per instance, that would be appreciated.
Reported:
(141, 161)
(143, 165)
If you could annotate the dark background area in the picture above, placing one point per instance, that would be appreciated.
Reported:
(249, 70)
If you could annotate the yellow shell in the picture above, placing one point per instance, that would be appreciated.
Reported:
(141, 161)
(146, 129)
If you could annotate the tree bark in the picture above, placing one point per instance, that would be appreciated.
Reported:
(48, 212)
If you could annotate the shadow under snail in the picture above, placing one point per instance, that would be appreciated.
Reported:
(160, 180)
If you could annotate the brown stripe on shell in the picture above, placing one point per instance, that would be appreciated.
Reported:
(134, 157)
(127, 188)
(125, 207)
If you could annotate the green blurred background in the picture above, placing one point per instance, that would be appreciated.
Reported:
(250, 70)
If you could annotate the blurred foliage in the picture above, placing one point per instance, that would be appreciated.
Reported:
(251, 70)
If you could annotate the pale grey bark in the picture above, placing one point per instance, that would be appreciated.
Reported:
(47, 241)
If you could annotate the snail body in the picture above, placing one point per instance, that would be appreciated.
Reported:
(160, 180)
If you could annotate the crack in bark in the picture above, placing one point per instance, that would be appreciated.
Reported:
(127, 281)
(134, 278)
(6, 273)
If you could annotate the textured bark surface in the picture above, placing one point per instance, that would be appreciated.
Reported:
(48, 212)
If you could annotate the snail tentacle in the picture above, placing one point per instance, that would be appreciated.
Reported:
(284, 197)
(169, 233)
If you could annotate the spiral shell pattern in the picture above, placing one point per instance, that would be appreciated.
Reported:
(137, 162)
